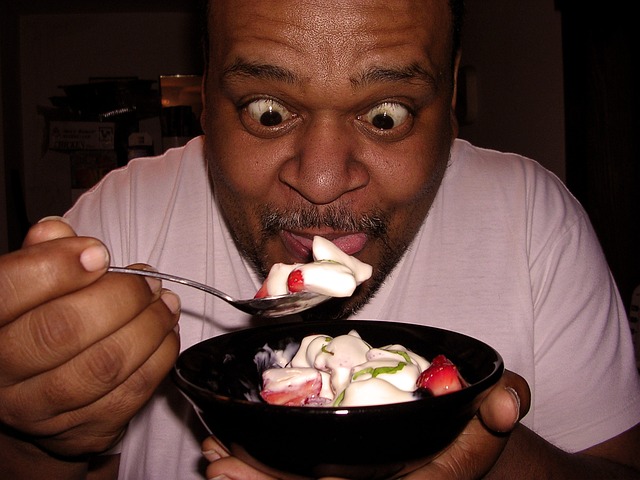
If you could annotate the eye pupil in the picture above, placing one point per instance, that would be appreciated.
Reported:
(383, 121)
(270, 118)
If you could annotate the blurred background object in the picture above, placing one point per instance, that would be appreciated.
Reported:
(181, 109)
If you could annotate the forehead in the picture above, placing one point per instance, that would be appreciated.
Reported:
(325, 38)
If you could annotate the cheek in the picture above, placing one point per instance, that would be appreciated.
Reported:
(406, 177)
(409, 198)
(245, 169)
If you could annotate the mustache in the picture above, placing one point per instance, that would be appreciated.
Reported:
(340, 219)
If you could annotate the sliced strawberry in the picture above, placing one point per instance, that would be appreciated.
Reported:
(291, 386)
(262, 292)
(440, 377)
(295, 282)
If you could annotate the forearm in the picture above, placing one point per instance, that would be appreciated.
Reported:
(22, 460)
(527, 455)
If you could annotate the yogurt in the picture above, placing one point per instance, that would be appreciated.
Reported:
(332, 273)
(352, 372)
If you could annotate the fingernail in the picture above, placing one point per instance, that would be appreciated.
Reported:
(211, 455)
(220, 477)
(516, 399)
(94, 258)
(55, 218)
(172, 301)
(155, 284)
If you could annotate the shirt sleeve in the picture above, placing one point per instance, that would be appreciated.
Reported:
(583, 349)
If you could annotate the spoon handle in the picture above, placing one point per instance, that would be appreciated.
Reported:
(173, 278)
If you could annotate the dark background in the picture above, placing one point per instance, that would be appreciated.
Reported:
(602, 125)
(590, 140)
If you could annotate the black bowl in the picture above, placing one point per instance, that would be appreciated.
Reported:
(221, 380)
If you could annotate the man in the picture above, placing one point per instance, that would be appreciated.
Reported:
(331, 118)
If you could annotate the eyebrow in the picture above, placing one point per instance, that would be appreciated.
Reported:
(372, 75)
(410, 73)
(260, 70)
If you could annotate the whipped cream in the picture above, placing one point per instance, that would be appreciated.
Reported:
(332, 273)
(352, 373)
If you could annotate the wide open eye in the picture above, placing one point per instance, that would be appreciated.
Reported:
(386, 116)
(268, 112)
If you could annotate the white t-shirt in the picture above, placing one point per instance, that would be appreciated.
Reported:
(506, 255)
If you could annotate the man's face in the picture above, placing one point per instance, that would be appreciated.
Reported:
(328, 118)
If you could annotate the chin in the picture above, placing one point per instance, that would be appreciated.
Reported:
(334, 309)
(338, 308)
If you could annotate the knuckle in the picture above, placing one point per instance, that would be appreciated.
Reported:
(85, 378)
(10, 298)
(46, 336)
(19, 414)
(141, 384)
(13, 410)
(55, 328)
(145, 380)
(105, 363)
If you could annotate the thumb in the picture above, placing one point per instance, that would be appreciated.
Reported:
(49, 228)
(507, 402)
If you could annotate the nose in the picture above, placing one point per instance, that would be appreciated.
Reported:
(325, 164)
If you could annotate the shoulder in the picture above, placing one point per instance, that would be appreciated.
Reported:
(146, 179)
(136, 203)
(509, 182)
(148, 171)
(466, 157)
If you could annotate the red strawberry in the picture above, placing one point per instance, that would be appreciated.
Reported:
(441, 377)
(291, 386)
(295, 282)
(262, 292)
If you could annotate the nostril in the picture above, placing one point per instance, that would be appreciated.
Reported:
(323, 181)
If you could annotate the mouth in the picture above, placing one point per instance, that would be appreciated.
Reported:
(299, 246)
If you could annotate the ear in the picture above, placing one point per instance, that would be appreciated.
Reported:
(454, 96)
(203, 114)
(456, 68)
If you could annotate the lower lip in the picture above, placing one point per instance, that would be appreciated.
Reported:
(300, 247)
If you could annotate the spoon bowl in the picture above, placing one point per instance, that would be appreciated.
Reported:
(270, 307)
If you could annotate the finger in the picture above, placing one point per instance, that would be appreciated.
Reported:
(238, 465)
(93, 373)
(234, 469)
(48, 228)
(478, 447)
(36, 274)
(506, 403)
(53, 333)
(213, 450)
(92, 430)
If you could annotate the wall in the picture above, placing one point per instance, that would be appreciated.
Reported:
(515, 48)
(4, 240)
(144, 45)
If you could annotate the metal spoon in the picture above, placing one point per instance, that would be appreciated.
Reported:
(270, 307)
